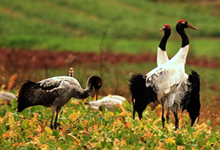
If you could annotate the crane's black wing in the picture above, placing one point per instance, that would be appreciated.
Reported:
(31, 94)
(191, 101)
(141, 95)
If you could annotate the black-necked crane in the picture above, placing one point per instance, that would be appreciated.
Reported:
(7, 97)
(109, 102)
(138, 87)
(169, 84)
(190, 82)
(54, 93)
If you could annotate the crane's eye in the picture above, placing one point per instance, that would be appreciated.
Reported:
(183, 22)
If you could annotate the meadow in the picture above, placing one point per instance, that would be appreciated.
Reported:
(129, 27)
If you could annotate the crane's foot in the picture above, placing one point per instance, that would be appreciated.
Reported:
(51, 126)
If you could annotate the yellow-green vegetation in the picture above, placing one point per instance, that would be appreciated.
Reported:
(82, 128)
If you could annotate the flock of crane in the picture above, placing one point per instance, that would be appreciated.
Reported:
(167, 83)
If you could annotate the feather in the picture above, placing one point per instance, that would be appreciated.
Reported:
(191, 101)
(141, 95)
(32, 94)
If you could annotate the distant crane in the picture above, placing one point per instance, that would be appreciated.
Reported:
(7, 97)
(169, 84)
(71, 72)
(54, 93)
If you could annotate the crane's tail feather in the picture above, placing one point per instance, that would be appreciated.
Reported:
(22, 100)
(31, 94)
(141, 95)
(191, 101)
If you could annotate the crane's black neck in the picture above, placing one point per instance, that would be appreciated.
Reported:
(180, 29)
(82, 93)
(92, 82)
(163, 41)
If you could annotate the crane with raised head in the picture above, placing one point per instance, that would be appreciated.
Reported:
(169, 84)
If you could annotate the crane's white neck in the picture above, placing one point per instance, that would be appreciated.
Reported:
(162, 57)
(180, 57)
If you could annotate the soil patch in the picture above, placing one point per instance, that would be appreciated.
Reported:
(37, 59)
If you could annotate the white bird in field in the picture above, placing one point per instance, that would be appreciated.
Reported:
(169, 84)
(7, 97)
(118, 97)
(54, 93)
(109, 102)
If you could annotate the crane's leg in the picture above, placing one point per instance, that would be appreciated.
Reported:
(176, 120)
(175, 112)
(57, 112)
(162, 118)
(53, 108)
(167, 115)
(132, 99)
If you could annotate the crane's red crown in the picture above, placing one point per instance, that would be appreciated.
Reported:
(183, 21)
(167, 26)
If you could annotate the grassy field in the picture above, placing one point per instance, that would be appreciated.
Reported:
(132, 27)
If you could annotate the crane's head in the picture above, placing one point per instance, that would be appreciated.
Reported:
(96, 82)
(184, 24)
(165, 27)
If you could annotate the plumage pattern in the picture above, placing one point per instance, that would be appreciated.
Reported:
(55, 92)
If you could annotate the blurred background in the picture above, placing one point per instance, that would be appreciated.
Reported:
(43, 38)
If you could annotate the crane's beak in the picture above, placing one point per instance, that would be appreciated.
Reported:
(161, 29)
(190, 26)
(96, 94)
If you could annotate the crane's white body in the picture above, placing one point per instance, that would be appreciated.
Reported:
(182, 88)
(109, 102)
(167, 78)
